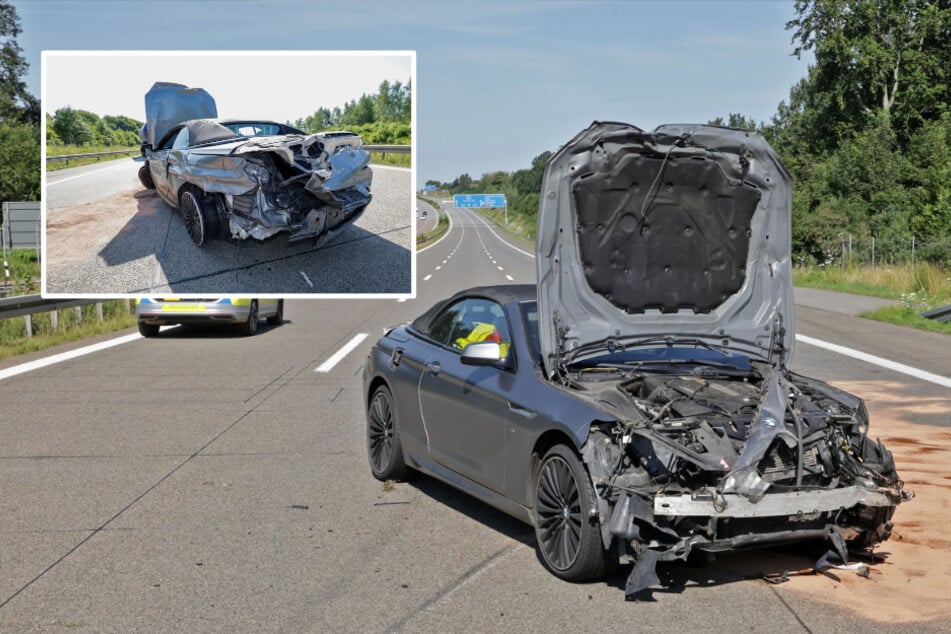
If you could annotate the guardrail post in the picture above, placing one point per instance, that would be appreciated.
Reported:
(79, 314)
(54, 320)
(28, 325)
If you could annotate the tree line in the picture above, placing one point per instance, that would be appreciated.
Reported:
(19, 116)
(866, 134)
(68, 126)
(384, 117)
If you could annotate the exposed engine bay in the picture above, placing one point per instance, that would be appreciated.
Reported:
(308, 185)
(710, 459)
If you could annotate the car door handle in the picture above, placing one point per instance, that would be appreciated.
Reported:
(396, 357)
(521, 411)
(433, 367)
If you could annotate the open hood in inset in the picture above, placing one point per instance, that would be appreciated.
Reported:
(677, 236)
(168, 104)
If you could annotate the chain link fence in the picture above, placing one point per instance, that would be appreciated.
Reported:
(845, 250)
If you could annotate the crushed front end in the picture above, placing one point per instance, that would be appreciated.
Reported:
(309, 186)
(720, 461)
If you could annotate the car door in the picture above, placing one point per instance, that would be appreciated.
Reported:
(465, 408)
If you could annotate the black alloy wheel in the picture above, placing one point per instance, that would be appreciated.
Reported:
(194, 216)
(568, 539)
(383, 440)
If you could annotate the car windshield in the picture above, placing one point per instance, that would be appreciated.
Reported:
(254, 128)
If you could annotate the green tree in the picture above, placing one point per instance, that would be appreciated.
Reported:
(19, 161)
(888, 56)
(15, 101)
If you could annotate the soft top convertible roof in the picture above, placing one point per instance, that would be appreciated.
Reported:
(502, 294)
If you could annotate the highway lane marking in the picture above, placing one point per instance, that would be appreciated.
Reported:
(879, 361)
(445, 235)
(306, 279)
(438, 267)
(427, 277)
(69, 178)
(401, 300)
(66, 356)
(509, 278)
(500, 268)
(509, 245)
(338, 356)
(390, 167)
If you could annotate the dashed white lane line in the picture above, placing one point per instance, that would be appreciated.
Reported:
(500, 268)
(509, 278)
(879, 361)
(66, 356)
(427, 277)
(401, 300)
(338, 356)
(438, 267)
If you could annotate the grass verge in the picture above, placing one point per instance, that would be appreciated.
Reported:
(399, 160)
(906, 316)
(917, 287)
(117, 315)
(24, 272)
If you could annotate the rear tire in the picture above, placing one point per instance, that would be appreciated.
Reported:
(145, 177)
(569, 542)
(148, 330)
(277, 318)
(249, 327)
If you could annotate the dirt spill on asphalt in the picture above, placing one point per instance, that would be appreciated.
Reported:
(914, 581)
(77, 232)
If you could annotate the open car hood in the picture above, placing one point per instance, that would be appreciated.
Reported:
(168, 104)
(680, 236)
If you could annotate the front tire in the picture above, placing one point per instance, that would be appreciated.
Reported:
(568, 540)
(383, 438)
(199, 215)
(249, 327)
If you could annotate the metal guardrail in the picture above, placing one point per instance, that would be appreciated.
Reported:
(389, 149)
(67, 157)
(942, 313)
(21, 305)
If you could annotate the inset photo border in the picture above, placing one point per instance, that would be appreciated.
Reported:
(228, 173)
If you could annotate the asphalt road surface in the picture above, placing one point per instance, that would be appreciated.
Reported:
(201, 481)
(106, 234)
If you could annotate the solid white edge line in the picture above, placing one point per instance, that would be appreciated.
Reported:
(390, 167)
(444, 236)
(50, 183)
(879, 361)
(508, 244)
(66, 356)
(338, 356)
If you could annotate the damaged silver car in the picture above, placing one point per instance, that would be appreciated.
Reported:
(249, 179)
(637, 405)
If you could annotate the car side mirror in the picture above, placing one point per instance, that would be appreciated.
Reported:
(483, 353)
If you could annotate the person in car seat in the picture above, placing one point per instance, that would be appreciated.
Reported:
(484, 332)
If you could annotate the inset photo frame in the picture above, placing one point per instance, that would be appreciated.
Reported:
(237, 173)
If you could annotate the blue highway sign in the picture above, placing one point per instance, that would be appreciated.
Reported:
(479, 200)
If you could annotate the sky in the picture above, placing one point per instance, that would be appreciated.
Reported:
(225, 77)
(497, 82)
